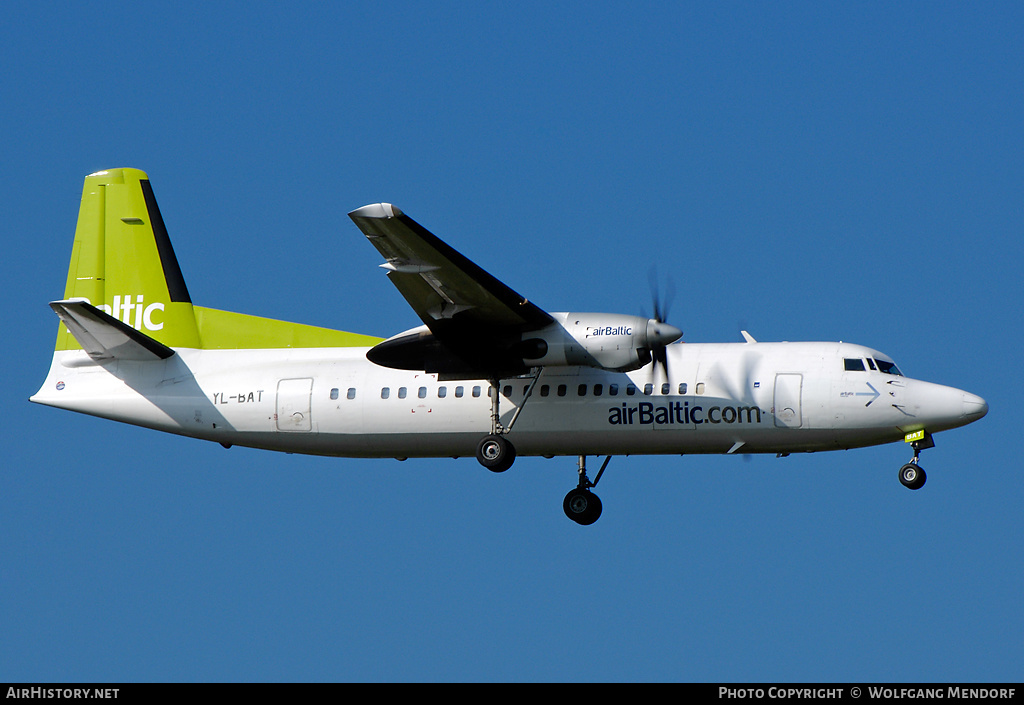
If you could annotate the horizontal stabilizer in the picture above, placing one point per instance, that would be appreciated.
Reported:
(106, 338)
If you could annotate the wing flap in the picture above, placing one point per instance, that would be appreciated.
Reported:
(106, 338)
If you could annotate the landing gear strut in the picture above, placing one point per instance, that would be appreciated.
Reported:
(581, 505)
(912, 476)
(495, 452)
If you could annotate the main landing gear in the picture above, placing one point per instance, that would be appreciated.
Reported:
(912, 476)
(581, 505)
(495, 452)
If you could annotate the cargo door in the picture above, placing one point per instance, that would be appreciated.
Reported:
(293, 405)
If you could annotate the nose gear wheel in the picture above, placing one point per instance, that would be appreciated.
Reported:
(912, 476)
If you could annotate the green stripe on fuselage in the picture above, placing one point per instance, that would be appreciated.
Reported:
(224, 330)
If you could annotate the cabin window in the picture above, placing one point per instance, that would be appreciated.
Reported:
(385, 392)
(476, 391)
(581, 390)
(507, 391)
(458, 392)
(442, 392)
(402, 391)
(630, 390)
(562, 390)
(665, 388)
(351, 394)
(648, 389)
(854, 364)
(682, 387)
(613, 390)
(544, 390)
(334, 393)
(422, 393)
(700, 387)
(598, 390)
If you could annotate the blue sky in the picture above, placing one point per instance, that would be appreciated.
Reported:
(806, 171)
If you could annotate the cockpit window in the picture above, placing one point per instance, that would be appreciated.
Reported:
(889, 368)
(854, 364)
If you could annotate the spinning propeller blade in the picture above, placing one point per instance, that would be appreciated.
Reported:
(659, 333)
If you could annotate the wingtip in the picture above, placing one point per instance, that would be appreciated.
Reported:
(376, 210)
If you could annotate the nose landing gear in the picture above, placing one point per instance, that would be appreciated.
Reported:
(912, 476)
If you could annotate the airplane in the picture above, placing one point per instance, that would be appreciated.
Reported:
(487, 373)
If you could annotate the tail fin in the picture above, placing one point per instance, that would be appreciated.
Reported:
(123, 263)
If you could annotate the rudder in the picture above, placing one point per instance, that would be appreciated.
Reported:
(123, 263)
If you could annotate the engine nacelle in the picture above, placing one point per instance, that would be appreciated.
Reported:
(607, 340)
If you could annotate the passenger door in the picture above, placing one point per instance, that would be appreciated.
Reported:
(788, 388)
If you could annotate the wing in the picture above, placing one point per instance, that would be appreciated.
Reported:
(474, 319)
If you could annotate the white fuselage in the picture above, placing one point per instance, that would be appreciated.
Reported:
(719, 398)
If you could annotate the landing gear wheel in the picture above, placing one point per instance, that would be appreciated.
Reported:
(912, 476)
(496, 453)
(582, 506)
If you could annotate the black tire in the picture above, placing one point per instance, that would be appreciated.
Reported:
(912, 476)
(582, 506)
(495, 453)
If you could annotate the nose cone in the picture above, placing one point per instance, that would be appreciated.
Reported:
(659, 333)
(939, 408)
(974, 407)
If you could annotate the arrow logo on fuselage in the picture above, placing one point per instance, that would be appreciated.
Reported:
(874, 394)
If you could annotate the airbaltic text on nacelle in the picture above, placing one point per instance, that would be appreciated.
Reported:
(610, 330)
(676, 412)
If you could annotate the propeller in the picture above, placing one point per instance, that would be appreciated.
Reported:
(738, 388)
(659, 333)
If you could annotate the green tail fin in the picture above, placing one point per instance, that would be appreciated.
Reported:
(123, 263)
